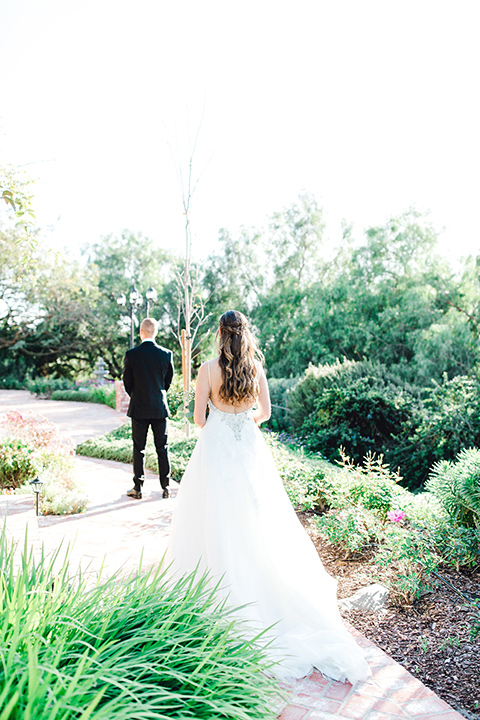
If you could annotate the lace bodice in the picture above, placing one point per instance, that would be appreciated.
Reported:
(235, 421)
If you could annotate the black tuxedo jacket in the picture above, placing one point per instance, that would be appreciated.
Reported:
(147, 375)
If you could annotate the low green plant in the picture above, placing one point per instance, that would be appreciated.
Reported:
(101, 394)
(410, 561)
(450, 641)
(117, 445)
(355, 529)
(279, 393)
(457, 487)
(44, 386)
(48, 455)
(141, 647)
(371, 485)
(17, 463)
(458, 546)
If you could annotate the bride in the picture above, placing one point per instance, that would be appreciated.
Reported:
(234, 520)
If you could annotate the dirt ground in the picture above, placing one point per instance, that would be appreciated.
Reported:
(431, 638)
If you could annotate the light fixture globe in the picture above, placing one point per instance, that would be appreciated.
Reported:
(151, 294)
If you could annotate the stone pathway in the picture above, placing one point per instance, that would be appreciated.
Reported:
(116, 532)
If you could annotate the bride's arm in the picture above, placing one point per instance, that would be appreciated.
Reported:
(202, 393)
(264, 410)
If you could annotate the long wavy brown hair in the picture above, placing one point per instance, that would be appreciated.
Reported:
(238, 351)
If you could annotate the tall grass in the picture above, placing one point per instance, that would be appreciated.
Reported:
(135, 648)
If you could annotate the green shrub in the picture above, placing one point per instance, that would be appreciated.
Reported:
(44, 386)
(279, 393)
(52, 457)
(101, 394)
(371, 485)
(355, 405)
(11, 382)
(458, 546)
(411, 561)
(175, 394)
(117, 445)
(17, 463)
(355, 529)
(61, 493)
(447, 421)
(457, 487)
(142, 647)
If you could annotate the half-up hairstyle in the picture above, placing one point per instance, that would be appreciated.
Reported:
(238, 351)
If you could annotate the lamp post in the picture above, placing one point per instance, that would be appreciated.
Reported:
(135, 300)
(36, 486)
(151, 297)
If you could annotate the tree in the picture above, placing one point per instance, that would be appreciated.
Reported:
(45, 314)
(119, 264)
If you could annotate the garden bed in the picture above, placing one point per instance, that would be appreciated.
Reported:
(430, 638)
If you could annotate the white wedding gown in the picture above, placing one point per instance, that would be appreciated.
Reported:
(234, 519)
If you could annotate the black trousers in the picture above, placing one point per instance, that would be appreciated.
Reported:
(139, 437)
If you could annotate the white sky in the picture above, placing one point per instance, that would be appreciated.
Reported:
(372, 105)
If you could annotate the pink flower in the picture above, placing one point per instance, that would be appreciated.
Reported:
(396, 515)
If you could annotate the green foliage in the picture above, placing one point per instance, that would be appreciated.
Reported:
(45, 386)
(141, 647)
(458, 546)
(357, 405)
(457, 487)
(17, 463)
(355, 529)
(117, 445)
(175, 395)
(102, 394)
(411, 562)
(279, 393)
(371, 485)
(50, 456)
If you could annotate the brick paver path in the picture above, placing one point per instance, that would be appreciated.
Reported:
(118, 532)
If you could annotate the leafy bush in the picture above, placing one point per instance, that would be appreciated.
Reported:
(279, 392)
(355, 405)
(410, 560)
(143, 647)
(52, 457)
(355, 529)
(102, 394)
(17, 463)
(44, 386)
(175, 395)
(61, 493)
(11, 382)
(457, 487)
(117, 445)
(458, 546)
(371, 485)
(447, 421)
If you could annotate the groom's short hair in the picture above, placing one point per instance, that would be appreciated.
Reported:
(149, 327)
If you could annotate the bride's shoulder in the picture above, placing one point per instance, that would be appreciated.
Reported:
(259, 367)
(209, 364)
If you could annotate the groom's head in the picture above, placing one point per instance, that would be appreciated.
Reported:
(148, 328)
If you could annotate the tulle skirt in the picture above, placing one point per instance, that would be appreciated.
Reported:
(234, 520)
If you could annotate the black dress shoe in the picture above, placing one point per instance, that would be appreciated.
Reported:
(166, 493)
(134, 493)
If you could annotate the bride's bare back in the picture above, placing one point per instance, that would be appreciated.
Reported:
(209, 387)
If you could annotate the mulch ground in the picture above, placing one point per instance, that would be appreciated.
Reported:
(430, 638)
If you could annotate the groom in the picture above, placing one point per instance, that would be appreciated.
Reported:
(147, 374)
